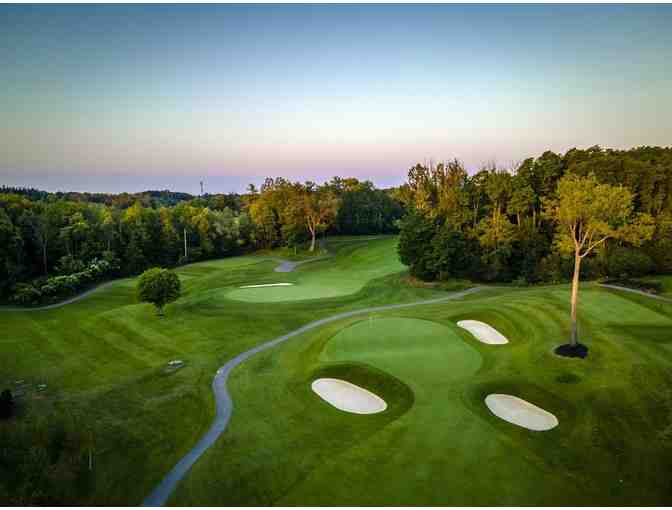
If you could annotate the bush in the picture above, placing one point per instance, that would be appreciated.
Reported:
(652, 286)
(54, 287)
(68, 265)
(26, 294)
(628, 262)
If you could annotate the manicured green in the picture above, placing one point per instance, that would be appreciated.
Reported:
(104, 361)
(347, 274)
(287, 447)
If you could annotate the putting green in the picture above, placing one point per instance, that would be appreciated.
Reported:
(354, 264)
(436, 443)
(395, 345)
(439, 444)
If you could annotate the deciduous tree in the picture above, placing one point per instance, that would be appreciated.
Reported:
(588, 213)
(159, 287)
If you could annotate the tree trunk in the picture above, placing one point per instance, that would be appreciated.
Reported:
(574, 335)
(312, 241)
(185, 244)
(44, 256)
(534, 217)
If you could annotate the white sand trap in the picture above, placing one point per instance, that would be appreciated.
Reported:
(484, 332)
(348, 397)
(520, 412)
(266, 285)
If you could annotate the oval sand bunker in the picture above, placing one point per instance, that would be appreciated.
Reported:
(348, 397)
(484, 332)
(520, 412)
(266, 285)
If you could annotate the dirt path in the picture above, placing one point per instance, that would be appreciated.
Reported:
(224, 404)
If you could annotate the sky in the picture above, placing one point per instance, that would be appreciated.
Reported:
(132, 97)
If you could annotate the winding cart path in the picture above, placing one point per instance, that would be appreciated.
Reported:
(224, 404)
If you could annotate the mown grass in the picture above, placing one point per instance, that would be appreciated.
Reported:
(103, 359)
(287, 447)
(329, 278)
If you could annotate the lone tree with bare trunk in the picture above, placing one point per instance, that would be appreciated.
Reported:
(319, 208)
(588, 213)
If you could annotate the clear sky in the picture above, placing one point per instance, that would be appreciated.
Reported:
(130, 97)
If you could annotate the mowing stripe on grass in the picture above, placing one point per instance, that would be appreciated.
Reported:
(224, 404)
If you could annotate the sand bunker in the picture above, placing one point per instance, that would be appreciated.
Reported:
(266, 285)
(520, 412)
(484, 332)
(348, 397)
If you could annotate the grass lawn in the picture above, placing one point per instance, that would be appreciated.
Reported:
(103, 360)
(285, 446)
(357, 264)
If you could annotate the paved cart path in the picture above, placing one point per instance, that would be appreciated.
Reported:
(224, 404)
(635, 291)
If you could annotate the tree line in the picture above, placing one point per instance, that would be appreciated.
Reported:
(498, 224)
(491, 226)
(55, 244)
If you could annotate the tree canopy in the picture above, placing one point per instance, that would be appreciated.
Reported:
(505, 214)
(159, 287)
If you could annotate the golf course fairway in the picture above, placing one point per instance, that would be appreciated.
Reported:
(358, 263)
(104, 358)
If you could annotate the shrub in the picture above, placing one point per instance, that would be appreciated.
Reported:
(26, 294)
(650, 286)
(68, 265)
(628, 262)
(63, 285)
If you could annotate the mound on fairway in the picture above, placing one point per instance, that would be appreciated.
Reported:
(348, 397)
(520, 412)
(484, 332)
(266, 285)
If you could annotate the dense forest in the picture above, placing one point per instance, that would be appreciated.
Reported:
(494, 226)
(489, 226)
(55, 244)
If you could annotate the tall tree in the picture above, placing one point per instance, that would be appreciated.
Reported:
(45, 228)
(319, 207)
(588, 213)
